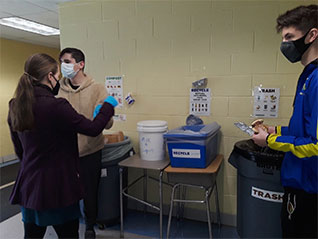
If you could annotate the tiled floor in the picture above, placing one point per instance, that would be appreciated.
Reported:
(12, 228)
(148, 224)
(136, 225)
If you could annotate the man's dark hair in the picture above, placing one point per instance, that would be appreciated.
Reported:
(77, 54)
(303, 18)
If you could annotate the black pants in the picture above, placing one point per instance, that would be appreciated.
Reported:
(90, 173)
(66, 230)
(302, 222)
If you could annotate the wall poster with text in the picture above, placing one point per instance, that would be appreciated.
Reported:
(114, 87)
(266, 102)
(200, 100)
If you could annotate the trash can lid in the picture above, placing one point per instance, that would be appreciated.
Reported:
(249, 150)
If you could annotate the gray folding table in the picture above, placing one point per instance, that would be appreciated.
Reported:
(136, 162)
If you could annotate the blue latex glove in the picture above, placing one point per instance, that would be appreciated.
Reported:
(97, 109)
(110, 99)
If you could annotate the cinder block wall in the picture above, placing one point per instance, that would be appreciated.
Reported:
(161, 47)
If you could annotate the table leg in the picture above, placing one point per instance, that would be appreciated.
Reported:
(181, 192)
(208, 212)
(145, 188)
(171, 209)
(121, 202)
(217, 205)
(160, 202)
(183, 196)
(178, 192)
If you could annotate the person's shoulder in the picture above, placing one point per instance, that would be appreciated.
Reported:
(96, 83)
(313, 80)
(59, 105)
(60, 100)
(97, 86)
(53, 101)
(315, 71)
(65, 87)
(314, 75)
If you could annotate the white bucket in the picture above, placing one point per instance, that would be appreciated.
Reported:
(151, 140)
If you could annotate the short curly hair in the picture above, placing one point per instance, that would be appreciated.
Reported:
(303, 18)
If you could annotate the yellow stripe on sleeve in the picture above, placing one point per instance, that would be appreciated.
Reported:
(301, 151)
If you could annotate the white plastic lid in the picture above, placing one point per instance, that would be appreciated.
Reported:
(152, 123)
(152, 126)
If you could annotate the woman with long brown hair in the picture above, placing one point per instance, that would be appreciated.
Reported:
(44, 134)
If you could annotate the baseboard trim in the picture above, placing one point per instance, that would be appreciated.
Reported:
(8, 160)
(7, 185)
(189, 213)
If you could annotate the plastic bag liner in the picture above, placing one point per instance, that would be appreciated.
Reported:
(193, 120)
(194, 134)
(263, 156)
(115, 151)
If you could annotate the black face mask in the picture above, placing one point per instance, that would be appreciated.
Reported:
(294, 50)
(55, 89)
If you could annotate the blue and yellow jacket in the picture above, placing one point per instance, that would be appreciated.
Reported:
(300, 139)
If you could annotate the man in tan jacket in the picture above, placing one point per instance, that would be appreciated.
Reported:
(84, 94)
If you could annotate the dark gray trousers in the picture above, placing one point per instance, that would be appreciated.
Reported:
(90, 174)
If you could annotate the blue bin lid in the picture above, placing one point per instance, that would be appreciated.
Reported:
(196, 131)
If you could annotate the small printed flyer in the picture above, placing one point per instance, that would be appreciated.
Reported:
(200, 100)
(266, 102)
(119, 117)
(114, 87)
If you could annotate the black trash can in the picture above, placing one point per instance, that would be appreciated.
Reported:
(259, 190)
(108, 193)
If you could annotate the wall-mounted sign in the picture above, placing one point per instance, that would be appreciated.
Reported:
(114, 87)
(200, 100)
(119, 117)
(266, 102)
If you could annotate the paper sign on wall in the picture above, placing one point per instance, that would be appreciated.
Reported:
(200, 101)
(266, 102)
(114, 87)
(119, 117)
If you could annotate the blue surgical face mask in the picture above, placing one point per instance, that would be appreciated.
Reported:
(294, 50)
(67, 70)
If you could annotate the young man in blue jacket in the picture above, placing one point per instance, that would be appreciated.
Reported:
(300, 138)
